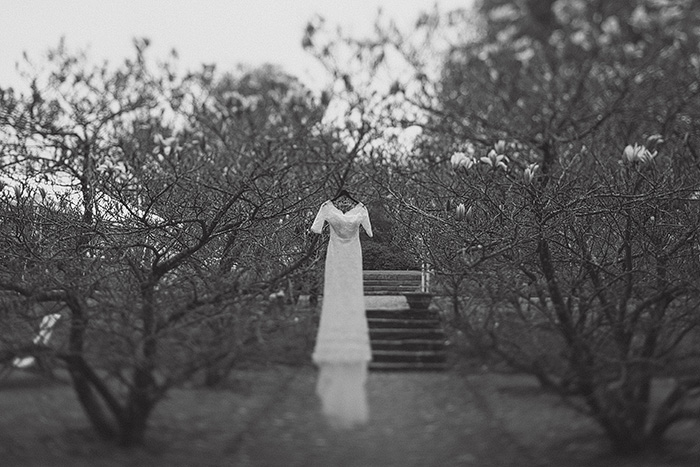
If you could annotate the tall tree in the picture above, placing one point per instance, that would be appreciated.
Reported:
(184, 198)
(569, 128)
(555, 179)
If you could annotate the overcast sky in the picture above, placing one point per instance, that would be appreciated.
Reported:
(224, 32)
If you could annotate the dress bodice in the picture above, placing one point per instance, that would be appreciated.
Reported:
(344, 225)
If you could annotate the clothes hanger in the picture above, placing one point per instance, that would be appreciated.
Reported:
(345, 193)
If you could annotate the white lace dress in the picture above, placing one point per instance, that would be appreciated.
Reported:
(342, 345)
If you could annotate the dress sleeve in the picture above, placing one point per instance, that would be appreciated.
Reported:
(317, 226)
(365, 222)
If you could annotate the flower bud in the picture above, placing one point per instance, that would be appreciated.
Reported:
(470, 150)
(460, 159)
(637, 153)
(629, 153)
(500, 146)
(529, 172)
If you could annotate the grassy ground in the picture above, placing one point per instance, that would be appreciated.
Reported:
(269, 416)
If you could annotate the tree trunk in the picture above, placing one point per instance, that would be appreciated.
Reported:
(134, 424)
(79, 374)
(144, 390)
(91, 405)
(628, 440)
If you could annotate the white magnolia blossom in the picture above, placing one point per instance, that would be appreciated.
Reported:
(500, 146)
(470, 150)
(529, 172)
(640, 18)
(505, 12)
(495, 160)
(164, 146)
(525, 55)
(60, 193)
(637, 153)
(462, 159)
(655, 140)
(462, 212)
(158, 139)
(610, 25)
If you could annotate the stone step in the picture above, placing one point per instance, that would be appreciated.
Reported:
(411, 345)
(402, 339)
(401, 313)
(426, 356)
(407, 366)
(398, 334)
(392, 273)
(402, 286)
(412, 323)
(385, 291)
(391, 280)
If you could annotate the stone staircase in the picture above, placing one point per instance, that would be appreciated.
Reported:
(391, 282)
(402, 339)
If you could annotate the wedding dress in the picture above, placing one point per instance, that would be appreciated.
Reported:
(342, 345)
